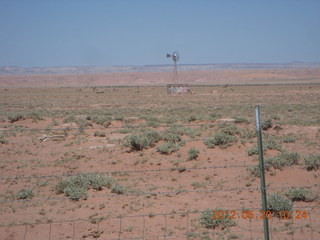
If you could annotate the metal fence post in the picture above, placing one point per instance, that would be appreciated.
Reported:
(262, 176)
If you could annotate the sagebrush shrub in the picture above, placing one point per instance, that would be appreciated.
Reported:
(276, 203)
(283, 159)
(193, 153)
(230, 129)
(3, 140)
(312, 162)
(169, 147)
(290, 138)
(14, 116)
(69, 119)
(100, 119)
(172, 137)
(265, 125)
(253, 151)
(35, 116)
(225, 136)
(76, 187)
(254, 171)
(117, 188)
(207, 221)
(271, 144)
(99, 134)
(142, 140)
(220, 139)
(26, 193)
(301, 194)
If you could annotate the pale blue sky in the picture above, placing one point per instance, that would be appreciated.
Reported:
(141, 32)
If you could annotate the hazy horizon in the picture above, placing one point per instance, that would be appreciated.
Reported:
(167, 65)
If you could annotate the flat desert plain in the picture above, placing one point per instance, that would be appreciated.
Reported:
(81, 158)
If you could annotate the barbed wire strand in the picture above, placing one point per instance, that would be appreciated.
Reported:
(149, 194)
(182, 169)
(129, 171)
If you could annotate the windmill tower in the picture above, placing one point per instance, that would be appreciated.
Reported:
(175, 58)
(175, 87)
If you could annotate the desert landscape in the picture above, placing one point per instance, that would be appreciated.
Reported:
(111, 155)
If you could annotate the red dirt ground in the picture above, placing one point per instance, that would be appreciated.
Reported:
(216, 179)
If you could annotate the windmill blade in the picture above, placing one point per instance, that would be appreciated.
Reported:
(175, 56)
(168, 55)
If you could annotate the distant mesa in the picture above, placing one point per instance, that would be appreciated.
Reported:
(12, 70)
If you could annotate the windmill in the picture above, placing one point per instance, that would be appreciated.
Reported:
(175, 58)
(175, 87)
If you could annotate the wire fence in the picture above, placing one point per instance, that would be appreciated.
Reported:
(187, 229)
(164, 193)
(116, 227)
(128, 172)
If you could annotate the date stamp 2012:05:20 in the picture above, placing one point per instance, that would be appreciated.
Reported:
(249, 214)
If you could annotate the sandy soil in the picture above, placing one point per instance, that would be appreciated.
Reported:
(162, 204)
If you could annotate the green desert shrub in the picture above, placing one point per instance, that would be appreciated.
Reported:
(230, 129)
(100, 120)
(69, 119)
(191, 132)
(312, 162)
(290, 138)
(248, 133)
(99, 134)
(171, 136)
(283, 159)
(142, 140)
(220, 139)
(117, 188)
(253, 151)
(254, 171)
(193, 153)
(213, 116)
(35, 116)
(276, 203)
(110, 181)
(3, 140)
(224, 136)
(14, 116)
(272, 144)
(175, 131)
(26, 193)
(76, 187)
(151, 121)
(169, 147)
(269, 143)
(265, 125)
(207, 221)
(301, 194)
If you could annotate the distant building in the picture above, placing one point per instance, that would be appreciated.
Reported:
(178, 88)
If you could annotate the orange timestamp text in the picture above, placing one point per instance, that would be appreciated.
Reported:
(249, 214)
